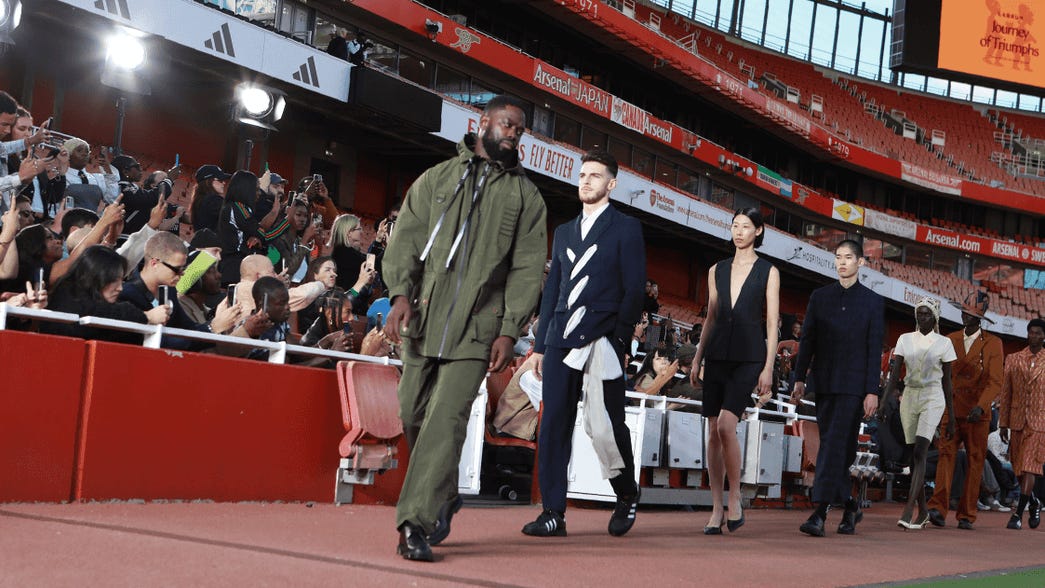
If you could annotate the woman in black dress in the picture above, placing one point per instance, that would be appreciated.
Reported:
(739, 359)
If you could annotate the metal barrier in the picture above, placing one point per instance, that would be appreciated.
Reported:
(152, 335)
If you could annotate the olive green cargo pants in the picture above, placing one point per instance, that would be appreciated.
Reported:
(435, 401)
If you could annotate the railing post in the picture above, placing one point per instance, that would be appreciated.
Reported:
(3, 316)
(279, 355)
(153, 340)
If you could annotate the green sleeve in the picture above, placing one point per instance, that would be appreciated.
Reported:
(530, 250)
(401, 265)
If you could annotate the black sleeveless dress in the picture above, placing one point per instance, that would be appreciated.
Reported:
(736, 348)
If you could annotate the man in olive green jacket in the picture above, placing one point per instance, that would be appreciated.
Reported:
(463, 270)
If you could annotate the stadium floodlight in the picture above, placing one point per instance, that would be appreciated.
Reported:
(258, 105)
(10, 18)
(126, 56)
(125, 51)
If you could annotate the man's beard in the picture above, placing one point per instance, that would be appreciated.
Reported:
(494, 149)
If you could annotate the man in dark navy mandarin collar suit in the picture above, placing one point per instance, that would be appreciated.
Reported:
(842, 340)
(591, 302)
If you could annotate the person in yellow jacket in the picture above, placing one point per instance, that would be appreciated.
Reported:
(463, 270)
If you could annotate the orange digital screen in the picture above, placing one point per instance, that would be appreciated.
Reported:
(999, 39)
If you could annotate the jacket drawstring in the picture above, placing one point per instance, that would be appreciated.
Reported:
(471, 208)
(442, 217)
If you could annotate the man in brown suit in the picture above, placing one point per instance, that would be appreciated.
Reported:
(1022, 417)
(977, 380)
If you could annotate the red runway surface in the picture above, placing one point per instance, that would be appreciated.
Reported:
(292, 544)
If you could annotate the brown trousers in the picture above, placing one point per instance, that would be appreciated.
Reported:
(974, 437)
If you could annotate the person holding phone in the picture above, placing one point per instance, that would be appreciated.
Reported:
(89, 188)
(26, 141)
(345, 246)
(138, 199)
(92, 288)
(166, 260)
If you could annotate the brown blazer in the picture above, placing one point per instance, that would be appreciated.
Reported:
(1022, 404)
(976, 375)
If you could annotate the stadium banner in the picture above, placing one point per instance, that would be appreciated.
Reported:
(890, 224)
(847, 211)
(774, 182)
(569, 87)
(929, 179)
(981, 245)
(232, 39)
(667, 203)
(1034, 279)
(632, 117)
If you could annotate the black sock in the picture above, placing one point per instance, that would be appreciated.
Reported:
(822, 508)
(1024, 499)
(850, 504)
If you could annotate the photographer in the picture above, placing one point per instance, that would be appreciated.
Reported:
(315, 191)
(47, 187)
(88, 189)
(139, 200)
(359, 48)
(295, 239)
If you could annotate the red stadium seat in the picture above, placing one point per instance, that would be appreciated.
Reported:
(370, 412)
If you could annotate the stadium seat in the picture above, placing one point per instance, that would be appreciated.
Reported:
(370, 413)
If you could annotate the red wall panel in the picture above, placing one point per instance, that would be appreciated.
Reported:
(184, 426)
(39, 408)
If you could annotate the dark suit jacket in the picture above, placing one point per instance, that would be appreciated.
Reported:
(842, 340)
(615, 288)
(135, 292)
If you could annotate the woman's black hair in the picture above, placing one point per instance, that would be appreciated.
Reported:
(665, 351)
(756, 219)
(95, 268)
(242, 189)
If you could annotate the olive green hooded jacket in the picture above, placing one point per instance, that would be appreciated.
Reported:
(490, 285)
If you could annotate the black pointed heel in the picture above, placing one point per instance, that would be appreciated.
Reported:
(733, 525)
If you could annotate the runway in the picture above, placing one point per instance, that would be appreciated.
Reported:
(270, 544)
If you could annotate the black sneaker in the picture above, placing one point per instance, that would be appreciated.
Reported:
(549, 524)
(623, 516)
(442, 523)
(412, 543)
(1014, 522)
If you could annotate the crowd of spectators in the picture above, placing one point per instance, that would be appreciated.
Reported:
(89, 232)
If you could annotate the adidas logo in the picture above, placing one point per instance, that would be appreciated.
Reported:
(220, 41)
(307, 73)
(116, 7)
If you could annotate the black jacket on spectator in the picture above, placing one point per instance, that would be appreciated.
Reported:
(205, 215)
(66, 301)
(349, 262)
(236, 225)
(135, 292)
(338, 47)
(139, 202)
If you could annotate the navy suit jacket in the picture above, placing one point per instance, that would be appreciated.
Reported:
(841, 342)
(135, 292)
(615, 290)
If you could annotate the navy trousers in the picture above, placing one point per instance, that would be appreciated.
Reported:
(560, 392)
(838, 416)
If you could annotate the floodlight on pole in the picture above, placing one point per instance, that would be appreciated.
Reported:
(125, 51)
(258, 105)
(126, 58)
(10, 18)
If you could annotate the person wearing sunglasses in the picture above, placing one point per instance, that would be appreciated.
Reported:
(166, 259)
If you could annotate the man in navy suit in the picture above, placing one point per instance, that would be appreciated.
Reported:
(591, 302)
(840, 346)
